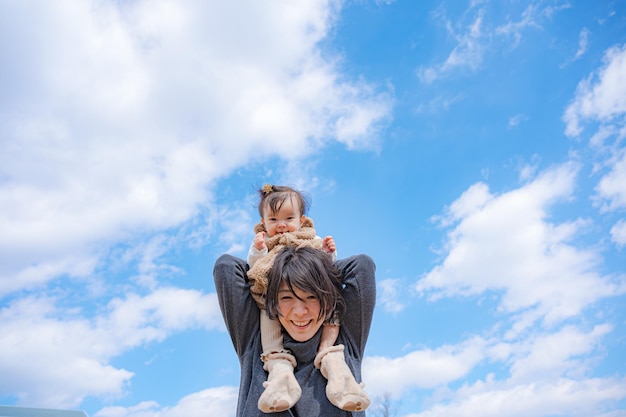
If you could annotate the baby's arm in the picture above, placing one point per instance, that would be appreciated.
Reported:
(328, 246)
(259, 241)
(330, 331)
(258, 249)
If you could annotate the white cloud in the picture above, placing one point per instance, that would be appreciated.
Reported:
(55, 357)
(601, 99)
(117, 116)
(135, 319)
(472, 200)
(529, 18)
(602, 96)
(561, 397)
(550, 356)
(547, 374)
(618, 233)
(537, 357)
(148, 254)
(533, 16)
(611, 190)
(603, 135)
(425, 368)
(439, 103)
(516, 120)
(583, 43)
(389, 295)
(473, 36)
(467, 53)
(505, 244)
(220, 401)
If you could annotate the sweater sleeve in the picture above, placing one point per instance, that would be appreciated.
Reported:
(255, 254)
(360, 297)
(239, 310)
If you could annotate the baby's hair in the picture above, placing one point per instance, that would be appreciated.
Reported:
(309, 270)
(274, 196)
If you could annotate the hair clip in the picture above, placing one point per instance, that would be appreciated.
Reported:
(268, 188)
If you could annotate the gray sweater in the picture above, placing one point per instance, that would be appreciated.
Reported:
(241, 315)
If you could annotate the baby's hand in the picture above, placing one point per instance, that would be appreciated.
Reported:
(259, 240)
(329, 245)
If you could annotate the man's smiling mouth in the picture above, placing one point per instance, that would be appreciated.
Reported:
(301, 323)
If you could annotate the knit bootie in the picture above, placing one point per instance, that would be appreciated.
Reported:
(342, 390)
(282, 390)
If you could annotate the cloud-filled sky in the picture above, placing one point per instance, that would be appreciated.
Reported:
(475, 149)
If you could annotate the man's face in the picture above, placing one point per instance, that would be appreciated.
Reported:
(299, 313)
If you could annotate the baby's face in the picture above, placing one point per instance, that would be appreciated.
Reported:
(287, 219)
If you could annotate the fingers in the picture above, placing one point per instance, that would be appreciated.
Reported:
(259, 240)
(329, 244)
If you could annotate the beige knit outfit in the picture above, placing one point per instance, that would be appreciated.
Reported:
(259, 271)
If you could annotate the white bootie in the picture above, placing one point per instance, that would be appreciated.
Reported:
(282, 390)
(342, 390)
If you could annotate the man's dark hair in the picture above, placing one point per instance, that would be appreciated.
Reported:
(310, 270)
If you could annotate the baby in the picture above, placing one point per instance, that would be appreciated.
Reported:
(283, 223)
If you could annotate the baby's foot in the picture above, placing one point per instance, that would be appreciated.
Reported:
(347, 395)
(282, 390)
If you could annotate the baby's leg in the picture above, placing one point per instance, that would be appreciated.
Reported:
(271, 334)
(282, 390)
(342, 390)
(330, 332)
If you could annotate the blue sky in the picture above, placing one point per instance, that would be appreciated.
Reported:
(475, 149)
